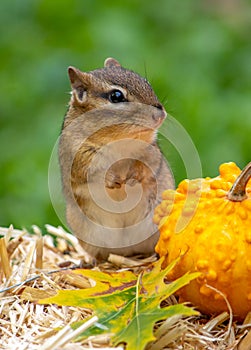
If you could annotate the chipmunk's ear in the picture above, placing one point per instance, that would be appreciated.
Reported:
(80, 82)
(111, 62)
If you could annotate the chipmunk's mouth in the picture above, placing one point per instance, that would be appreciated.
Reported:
(158, 117)
(159, 121)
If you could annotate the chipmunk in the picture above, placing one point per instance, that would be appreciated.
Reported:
(113, 172)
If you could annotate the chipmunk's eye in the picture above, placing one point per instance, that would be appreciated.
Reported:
(116, 96)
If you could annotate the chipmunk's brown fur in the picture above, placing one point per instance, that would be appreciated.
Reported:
(113, 172)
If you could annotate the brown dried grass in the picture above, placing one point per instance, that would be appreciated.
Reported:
(34, 267)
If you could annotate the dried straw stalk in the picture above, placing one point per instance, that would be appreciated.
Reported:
(32, 267)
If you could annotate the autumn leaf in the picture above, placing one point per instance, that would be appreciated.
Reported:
(127, 305)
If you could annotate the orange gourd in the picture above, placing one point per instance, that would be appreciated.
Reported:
(207, 223)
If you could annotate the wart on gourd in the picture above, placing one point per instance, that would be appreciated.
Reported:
(216, 240)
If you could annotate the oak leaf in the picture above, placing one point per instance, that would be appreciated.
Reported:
(127, 305)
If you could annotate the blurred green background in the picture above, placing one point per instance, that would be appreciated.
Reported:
(197, 55)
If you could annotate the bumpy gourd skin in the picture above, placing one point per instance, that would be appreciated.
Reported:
(212, 234)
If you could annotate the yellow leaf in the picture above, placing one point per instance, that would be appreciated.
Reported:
(127, 305)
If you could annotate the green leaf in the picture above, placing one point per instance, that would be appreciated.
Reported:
(128, 306)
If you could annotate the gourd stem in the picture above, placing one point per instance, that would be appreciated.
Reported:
(238, 190)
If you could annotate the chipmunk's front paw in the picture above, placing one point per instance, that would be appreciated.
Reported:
(113, 180)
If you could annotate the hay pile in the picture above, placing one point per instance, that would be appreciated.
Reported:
(35, 266)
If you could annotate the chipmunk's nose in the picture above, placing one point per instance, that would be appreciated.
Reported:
(159, 114)
(159, 106)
